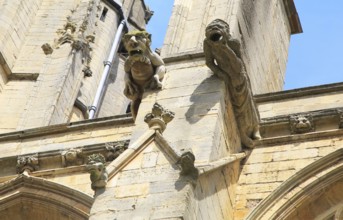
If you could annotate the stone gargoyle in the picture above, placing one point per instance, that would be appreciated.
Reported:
(144, 68)
(96, 168)
(224, 57)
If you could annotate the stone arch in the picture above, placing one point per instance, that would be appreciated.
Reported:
(315, 192)
(27, 197)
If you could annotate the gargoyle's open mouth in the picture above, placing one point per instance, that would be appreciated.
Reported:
(135, 52)
(216, 37)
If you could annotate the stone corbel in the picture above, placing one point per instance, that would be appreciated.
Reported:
(97, 169)
(114, 150)
(301, 123)
(72, 157)
(27, 163)
(159, 118)
(186, 161)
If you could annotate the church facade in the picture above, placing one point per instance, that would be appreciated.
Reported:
(217, 139)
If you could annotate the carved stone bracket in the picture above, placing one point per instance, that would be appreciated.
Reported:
(27, 163)
(340, 116)
(186, 162)
(159, 118)
(96, 168)
(301, 123)
(224, 57)
(115, 149)
(72, 157)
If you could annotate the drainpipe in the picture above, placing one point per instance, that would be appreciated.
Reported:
(108, 63)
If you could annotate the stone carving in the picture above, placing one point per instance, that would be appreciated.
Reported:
(224, 57)
(186, 161)
(340, 115)
(159, 117)
(144, 68)
(72, 157)
(78, 32)
(148, 15)
(114, 150)
(96, 167)
(47, 49)
(28, 163)
(301, 123)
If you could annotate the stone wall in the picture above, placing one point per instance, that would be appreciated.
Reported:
(262, 27)
(270, 165)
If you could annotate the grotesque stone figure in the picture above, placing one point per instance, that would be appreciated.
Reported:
(144, 68)
(27, 163)
(96, 167)
(301, 124)
(186, 161)
(224, 58)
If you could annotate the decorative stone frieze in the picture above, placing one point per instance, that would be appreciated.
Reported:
(115, 149)
(301, 123)
(186, 162)
(144, 68)
(97, 169)
(224, 57)
(28, 163)
(159, 117)
(72, 157)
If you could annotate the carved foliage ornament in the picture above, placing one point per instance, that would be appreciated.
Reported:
(144, 68)
(115, 149)
(224, 57)
(159, 117)
(301, 123)
(27, 163)
(79, 33)
(97, 169)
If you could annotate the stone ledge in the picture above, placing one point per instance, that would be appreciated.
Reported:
(318, 115)
(293, 17)
(184, 56)
(287, 139)
(73, 126)
(295, 93)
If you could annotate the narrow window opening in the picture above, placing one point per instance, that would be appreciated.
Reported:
(103, 14)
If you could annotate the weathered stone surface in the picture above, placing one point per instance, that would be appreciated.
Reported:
(144, 68)
(224, 57)
(96, 168)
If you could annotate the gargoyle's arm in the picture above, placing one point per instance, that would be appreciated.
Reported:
(210, 62)
(156, 59)
(235, 61)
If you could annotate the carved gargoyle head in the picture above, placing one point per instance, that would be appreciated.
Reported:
(218, 31)
(301, 123)
(137, 43)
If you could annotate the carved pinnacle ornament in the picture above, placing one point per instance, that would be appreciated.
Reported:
(224, 57)
(301, 123)
(27, 163)
(159, 117)
(96, 168)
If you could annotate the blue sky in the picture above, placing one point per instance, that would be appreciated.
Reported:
(315, 56)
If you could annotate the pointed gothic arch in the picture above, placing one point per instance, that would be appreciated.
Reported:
(315, 192)
(27, 197)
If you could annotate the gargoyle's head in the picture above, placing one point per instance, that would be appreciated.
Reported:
(218, 31)
(302, 122)
(137, 43)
